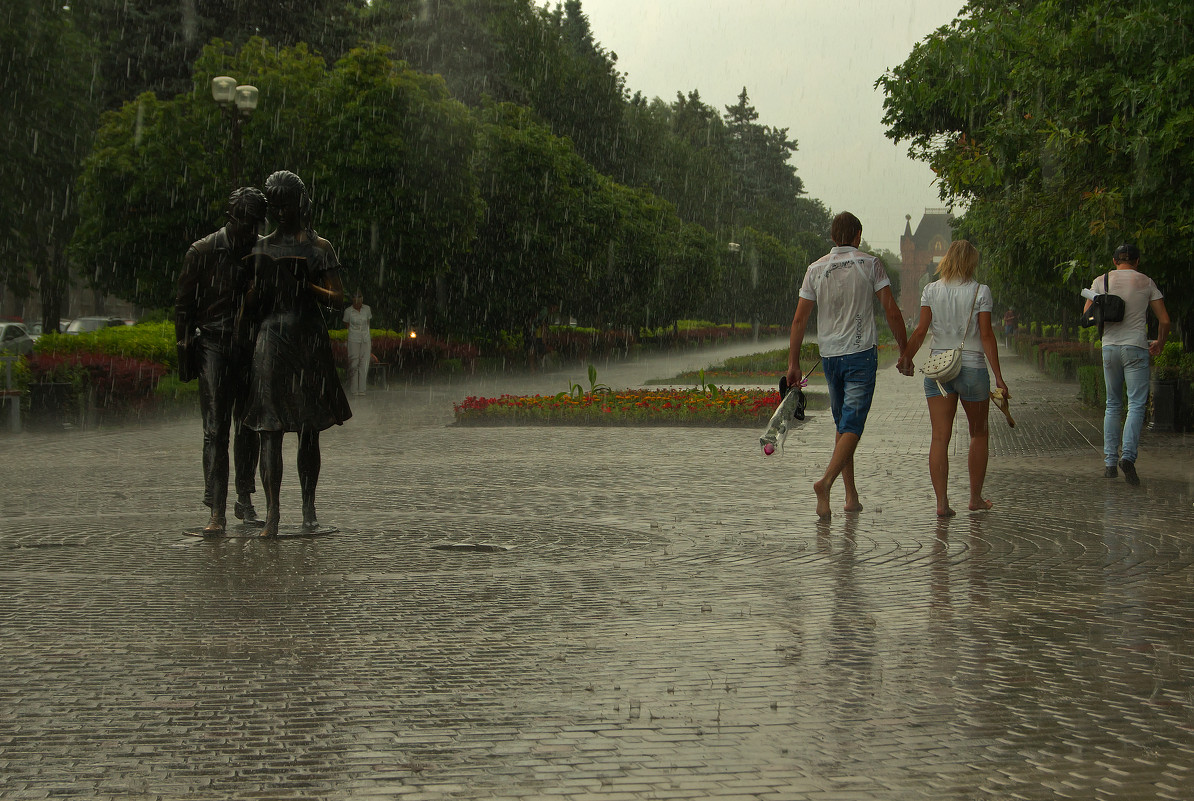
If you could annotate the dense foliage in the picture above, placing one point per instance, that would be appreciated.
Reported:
(46, 128)
(474, 161)
(1064, 128)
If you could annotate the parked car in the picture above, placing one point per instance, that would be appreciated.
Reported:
(14, 337)
(35, 328)
(84, 325)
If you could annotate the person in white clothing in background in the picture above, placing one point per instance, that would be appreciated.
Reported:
(1126, 348)
(360, 345)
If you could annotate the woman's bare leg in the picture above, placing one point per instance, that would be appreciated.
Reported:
(976, 414)
(942, 410)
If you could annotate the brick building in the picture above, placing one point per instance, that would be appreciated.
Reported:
(919, 254)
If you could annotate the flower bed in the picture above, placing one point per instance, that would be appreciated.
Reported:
(113, 385)
(748, 408)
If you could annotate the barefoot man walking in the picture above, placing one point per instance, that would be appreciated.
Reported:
(843, 282)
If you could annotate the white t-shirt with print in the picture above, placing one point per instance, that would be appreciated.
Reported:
(953, 323)
(843, 284)
(1138, 291)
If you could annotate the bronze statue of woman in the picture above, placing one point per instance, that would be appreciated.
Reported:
(294, 386)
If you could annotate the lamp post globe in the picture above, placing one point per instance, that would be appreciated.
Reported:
(246, 99)
(223, 89)
(238, 103)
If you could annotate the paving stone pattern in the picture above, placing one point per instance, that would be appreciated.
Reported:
(627, 614)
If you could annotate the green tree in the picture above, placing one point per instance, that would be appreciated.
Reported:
(151, 45)
(512, 51)
(387, 164)
(891, 263)
(44, 132)
(765, 186)
(1065, 128)
(544, 231)
(771, 277)
(460, 40)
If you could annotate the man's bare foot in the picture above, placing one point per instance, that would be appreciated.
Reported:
(945, 511)
(822, 491)
(981, 505)
(852, 505)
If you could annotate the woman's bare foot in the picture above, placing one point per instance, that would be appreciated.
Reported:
(945, 512)
(981, 505)
(822, 491)
(852, 505)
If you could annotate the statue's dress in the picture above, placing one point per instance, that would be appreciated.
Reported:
(293, 385)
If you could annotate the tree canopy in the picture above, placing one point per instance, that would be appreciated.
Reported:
(479, 155)
(1065, 128)
(45, 78)
(387, 164)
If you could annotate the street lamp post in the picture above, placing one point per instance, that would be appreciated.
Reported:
(238, 104)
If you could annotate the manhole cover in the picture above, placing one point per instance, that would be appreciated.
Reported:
(482, 547)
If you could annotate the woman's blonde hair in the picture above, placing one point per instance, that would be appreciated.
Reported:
(960, 262)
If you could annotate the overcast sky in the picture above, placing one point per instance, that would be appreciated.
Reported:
(808, 66)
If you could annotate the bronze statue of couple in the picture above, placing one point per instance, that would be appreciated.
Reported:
(250, 328)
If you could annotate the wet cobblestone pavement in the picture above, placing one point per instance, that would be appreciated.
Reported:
(650, 613)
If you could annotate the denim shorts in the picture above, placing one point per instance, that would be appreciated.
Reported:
(851, 381)
(973, 384)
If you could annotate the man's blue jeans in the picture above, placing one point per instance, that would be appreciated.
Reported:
(851, 383)
(1124, 364)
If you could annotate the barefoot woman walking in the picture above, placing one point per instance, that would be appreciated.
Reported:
(956, 309)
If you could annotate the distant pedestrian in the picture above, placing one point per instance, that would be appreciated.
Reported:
(1009, 326)
(1126, 348)
(956, 310)
(845, 282)
(360, 344)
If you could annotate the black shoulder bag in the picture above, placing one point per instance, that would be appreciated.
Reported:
(1104, 308)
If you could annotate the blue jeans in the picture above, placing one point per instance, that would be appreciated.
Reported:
(972, 384)
(851, 381)
(1124, 364)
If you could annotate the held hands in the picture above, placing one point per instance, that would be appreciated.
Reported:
(904, 365)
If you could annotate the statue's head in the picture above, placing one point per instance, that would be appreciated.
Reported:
(289, 203)
(245, 211)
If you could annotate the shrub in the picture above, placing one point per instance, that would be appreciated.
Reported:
(1091, 386)
(774, 361)
(114, 384)
(1167, 365)
(417, 354)
(153, 342)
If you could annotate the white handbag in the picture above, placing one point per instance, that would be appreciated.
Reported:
(946, 365)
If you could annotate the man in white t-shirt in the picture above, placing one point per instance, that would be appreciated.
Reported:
(842, 284)
(360, 345)
(1126, 349)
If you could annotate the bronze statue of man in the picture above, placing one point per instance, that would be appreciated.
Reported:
(210, 294)
(293, 386)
